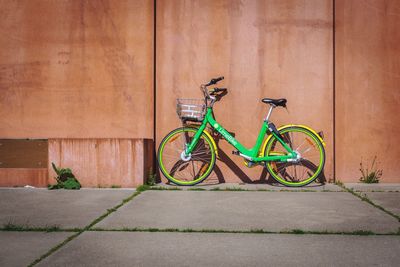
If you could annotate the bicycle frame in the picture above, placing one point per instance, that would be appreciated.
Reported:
(249, 154)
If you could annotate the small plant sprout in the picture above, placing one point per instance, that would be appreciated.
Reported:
(65, 179)
(370, 174)
(151, 179)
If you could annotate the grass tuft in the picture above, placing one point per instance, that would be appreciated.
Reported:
(265, 190)
(235, 189)
(372, 174)
(13, 227)
(54, 228)
(363, 232)
(297, 190)
(142, 188)
(165, 188)
(297, 232)
(24, 228)
(339, 183)
(215, 189)
(196, 189)
(259, 231)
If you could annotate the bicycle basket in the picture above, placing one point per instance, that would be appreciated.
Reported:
(191, 109)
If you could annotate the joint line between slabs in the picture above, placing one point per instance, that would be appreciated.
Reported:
(369, 201)
(86, 228)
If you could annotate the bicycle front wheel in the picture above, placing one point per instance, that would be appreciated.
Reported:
(182, 170)
(311, 157)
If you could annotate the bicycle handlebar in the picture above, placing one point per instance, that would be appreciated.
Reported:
(215, 80)
(207, 95)
(216, 90)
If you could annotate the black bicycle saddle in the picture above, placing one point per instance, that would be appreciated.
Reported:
(277, 102)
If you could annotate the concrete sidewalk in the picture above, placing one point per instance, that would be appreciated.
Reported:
(332, 210)
(360, 187)
(385, 195)
(221, 249)
(269, 211)
(22, 248)
(60, 208)
(313, 187)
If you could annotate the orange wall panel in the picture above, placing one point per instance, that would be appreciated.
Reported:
(264, 49)
(76, 69)
(367, 87)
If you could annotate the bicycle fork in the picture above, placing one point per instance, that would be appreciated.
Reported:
(187, 152)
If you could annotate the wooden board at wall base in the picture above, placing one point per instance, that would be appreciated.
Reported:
(23, 153)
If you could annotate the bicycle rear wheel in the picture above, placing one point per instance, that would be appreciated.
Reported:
(185, 171)
(311, 161)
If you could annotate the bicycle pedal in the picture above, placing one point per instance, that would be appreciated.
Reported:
(249, 164)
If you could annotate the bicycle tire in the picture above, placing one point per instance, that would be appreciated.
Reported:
(281, 174)
(170, 167)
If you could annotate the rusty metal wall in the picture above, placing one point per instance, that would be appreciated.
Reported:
(76, 68)
(24, 176)
(367, 87)
(102, 162)
(264, 49)
(84, 69)
(79, 69)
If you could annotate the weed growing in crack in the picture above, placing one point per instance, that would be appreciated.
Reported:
(372, 174)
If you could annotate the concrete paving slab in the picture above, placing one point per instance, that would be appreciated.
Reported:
(62, 208)
(271, 211)
(361, 187)
(255, 187)
(388, 200)
(22, 248)
(203, 249)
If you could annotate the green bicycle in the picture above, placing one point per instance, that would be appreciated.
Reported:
(294, 155)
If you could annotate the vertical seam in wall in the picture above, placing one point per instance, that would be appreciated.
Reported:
(334, 87)
(154, 84)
